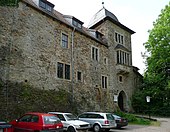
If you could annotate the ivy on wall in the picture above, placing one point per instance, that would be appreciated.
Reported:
(9, 2)
(19, 98)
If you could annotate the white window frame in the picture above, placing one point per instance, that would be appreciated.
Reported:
(123, 57)
(119, 40)
(63, 71)
(95, 55)
(64, 46)
(104, 81)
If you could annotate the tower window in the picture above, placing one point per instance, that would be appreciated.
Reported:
(119, 38)
(95, 53)
(120, 78)
(104, 81)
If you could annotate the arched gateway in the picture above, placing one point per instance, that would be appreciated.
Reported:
(122, 101)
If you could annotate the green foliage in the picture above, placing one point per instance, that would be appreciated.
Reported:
(20, 98)
(133, 119)
(130, 117)
(142, 121)
(139, 102)
(158, 44)
(9, 2)
(156, 78)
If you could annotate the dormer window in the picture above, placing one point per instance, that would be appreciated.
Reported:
(77, 24)
(46, 5)
(74, 21)
(99, 35)
(42, 4)
(49, 8)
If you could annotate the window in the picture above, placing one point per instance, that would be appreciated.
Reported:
(95, 53)
(109, 116)
(67, 71)
(77, 24)
(46, 5)
(120, 78)
(26, 118)
(60, 71)
(63, 71)
(116, 38)
(49, 8)
(105, 61)
(64, 40)
(42, 4)
(104, 81)
(61, 117)
(83, 116)
(79, 78)
(34, 118)
(50, 119)
(123, 57)
(119, 38)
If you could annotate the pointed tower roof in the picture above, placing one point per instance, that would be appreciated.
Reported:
(103, 15)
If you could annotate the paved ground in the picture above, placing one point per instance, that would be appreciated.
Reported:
(165, 127)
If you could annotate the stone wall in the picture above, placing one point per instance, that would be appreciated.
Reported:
(30, 45)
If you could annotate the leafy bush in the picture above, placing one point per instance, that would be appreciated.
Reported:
(142, 121)
(133, 119)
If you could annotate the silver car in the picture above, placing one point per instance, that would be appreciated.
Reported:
(71, 123)
(98, 120)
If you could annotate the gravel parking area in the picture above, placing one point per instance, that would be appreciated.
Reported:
(165, 127)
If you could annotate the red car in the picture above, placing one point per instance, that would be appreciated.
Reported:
(37, 122)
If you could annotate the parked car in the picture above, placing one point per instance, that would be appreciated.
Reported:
(120, 121)
(4, 126)
(36, 122)
(71, 123)
(98, 120)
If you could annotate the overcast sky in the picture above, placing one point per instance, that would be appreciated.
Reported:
(137, 15)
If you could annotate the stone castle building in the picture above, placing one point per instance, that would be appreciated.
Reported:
(49, 50)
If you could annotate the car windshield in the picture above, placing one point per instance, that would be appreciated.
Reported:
(51, 119)
(70, 117)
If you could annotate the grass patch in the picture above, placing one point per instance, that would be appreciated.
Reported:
(141, 121)
(132, 119)
(155, 123)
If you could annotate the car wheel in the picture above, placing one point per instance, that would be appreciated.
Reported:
(96, 128)
(71, 129)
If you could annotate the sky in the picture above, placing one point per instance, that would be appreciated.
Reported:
(137, 15)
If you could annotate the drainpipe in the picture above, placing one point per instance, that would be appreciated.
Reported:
(72, 64)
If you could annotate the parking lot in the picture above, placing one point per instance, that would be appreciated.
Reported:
(165, 127)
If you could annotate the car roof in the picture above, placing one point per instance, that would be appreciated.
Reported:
(38, 113)
(59, 112)
(96, 113)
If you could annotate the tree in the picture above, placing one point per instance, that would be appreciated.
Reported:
(156, 77)
(158, 44)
